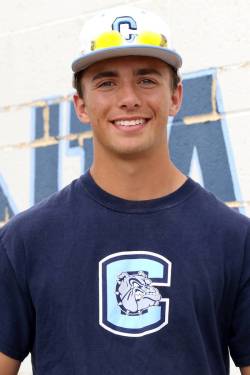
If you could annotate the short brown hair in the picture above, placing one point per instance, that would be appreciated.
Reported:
(175, 78)
(78, 80)
(78, 83)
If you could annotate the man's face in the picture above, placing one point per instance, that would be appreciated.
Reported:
(128, 100)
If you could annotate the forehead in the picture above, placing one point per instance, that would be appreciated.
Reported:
(128, 64)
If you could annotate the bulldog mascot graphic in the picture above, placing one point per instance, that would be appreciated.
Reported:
(135, 294)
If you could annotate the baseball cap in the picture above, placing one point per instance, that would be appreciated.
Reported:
(124, 31)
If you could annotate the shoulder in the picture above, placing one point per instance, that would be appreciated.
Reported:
(50, 212)
(213, 212)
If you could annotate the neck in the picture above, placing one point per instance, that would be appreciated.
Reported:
(137, 178)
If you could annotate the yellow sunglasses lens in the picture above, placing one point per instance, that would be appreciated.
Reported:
(107, 40)
(151, 38)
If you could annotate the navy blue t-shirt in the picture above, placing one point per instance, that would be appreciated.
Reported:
(94, 284)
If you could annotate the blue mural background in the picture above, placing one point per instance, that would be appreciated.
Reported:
(206, 143)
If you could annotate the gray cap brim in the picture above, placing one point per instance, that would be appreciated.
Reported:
(169, 56)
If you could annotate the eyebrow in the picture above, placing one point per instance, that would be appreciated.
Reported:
(146, 71)
(105, 74)
(114, 73)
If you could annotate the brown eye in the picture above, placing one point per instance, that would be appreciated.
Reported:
(107, 84)
(147, 82)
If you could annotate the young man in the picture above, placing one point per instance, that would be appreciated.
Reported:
(133, 268)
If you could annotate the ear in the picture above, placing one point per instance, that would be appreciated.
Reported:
(176, 101)
(80, 108)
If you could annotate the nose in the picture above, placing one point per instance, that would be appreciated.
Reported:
(128, 97)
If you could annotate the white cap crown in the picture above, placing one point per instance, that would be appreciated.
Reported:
(124, 31)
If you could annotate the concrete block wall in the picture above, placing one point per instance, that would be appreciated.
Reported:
(42, 144)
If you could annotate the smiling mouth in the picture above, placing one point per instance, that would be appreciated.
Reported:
(130, 123)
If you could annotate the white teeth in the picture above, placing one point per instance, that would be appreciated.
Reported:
(130, 122)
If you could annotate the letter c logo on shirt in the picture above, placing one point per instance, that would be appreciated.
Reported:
(130, 301)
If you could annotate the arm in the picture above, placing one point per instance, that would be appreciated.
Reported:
(9, 366)
(245, 370)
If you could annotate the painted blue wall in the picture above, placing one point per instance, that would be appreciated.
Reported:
(205, 144)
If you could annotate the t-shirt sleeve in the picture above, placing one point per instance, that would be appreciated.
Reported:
(15, 312)
(239, 343)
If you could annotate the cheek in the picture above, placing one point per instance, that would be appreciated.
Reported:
(160, 106)
(99, 114)
(98, 106)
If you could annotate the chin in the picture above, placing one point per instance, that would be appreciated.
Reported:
(130, 152)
